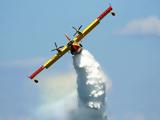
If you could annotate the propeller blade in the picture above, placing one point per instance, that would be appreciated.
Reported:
(53, 49)
(77, 30)
(67, 37)
(75, 33)
(55, 45)
(80, 27)
(61, 46)
(74, 28)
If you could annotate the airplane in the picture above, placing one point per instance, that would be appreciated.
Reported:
(73, 45)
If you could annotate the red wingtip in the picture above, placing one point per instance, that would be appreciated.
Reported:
(36, 72)
(109, 9)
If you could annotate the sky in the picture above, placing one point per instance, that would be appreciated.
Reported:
(126, 46)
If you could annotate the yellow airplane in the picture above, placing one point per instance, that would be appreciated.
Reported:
(73, 45)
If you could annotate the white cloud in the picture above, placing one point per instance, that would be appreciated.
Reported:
(135, 116)
(149, 26)
(138, 117)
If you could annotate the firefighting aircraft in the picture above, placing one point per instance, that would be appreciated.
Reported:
(73, 45)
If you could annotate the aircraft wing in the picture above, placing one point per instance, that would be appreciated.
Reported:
(91, 26)
(52, 60)
(76, 39)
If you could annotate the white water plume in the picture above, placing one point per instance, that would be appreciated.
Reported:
(91, 88)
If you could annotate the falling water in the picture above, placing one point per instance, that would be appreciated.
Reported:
(91, 88)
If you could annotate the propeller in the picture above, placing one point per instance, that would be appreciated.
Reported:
(57, 48)
(77, 30)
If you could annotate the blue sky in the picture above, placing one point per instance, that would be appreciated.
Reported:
(127, 47)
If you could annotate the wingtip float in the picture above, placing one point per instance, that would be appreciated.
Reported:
(73, 45)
